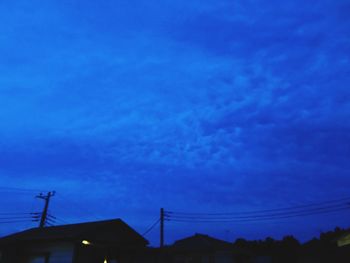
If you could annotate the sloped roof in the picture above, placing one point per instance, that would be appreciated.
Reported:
(115, 232)
(200, 242)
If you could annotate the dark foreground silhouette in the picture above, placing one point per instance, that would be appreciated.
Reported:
(113, 241)
(322, 249)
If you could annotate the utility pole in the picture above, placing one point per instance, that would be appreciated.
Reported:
(161, 227)
(46, 198)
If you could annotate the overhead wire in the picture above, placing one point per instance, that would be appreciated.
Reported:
(49, 224)
(15, 217)
(56, 219)
(17, 189)
(36, 215)
(19, 217)
(151, 227)
(49, 215)
(261, 215)
(61, 221)
(85, 210)
(14, 213)
(15, 221)
(342, 200)
(252, 219)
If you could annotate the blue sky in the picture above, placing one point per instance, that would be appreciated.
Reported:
(124, 107)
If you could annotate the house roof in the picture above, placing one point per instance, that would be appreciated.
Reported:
(200, 242)
(115, 232)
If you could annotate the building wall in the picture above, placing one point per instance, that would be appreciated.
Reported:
(90, 254)
(51, 253)
(223, 257)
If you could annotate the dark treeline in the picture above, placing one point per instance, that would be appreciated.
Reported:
(289, 249)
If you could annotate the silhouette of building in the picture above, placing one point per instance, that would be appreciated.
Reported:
(201, 248)
(101, 241)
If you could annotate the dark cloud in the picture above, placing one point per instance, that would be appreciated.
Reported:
(208, 106)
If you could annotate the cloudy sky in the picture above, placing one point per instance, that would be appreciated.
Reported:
(127, 106)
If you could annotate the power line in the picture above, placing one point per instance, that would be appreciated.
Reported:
(51, 216)
(265, 210)
(16, 213)
(257, 215)
(9, 216)
(50, 224)
(15, 221)
(19, 217)
(35, 215)
(151, 227)
(255, 219)
(15, 217)
(61, 221)
(49, 221)
(16, 189)
(76, 207)
(55, 218)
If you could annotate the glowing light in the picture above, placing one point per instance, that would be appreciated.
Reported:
(343, 241)
(105, 261)
(85, 242)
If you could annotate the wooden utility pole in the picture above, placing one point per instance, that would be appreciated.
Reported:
(46, 198)
(161, 227)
